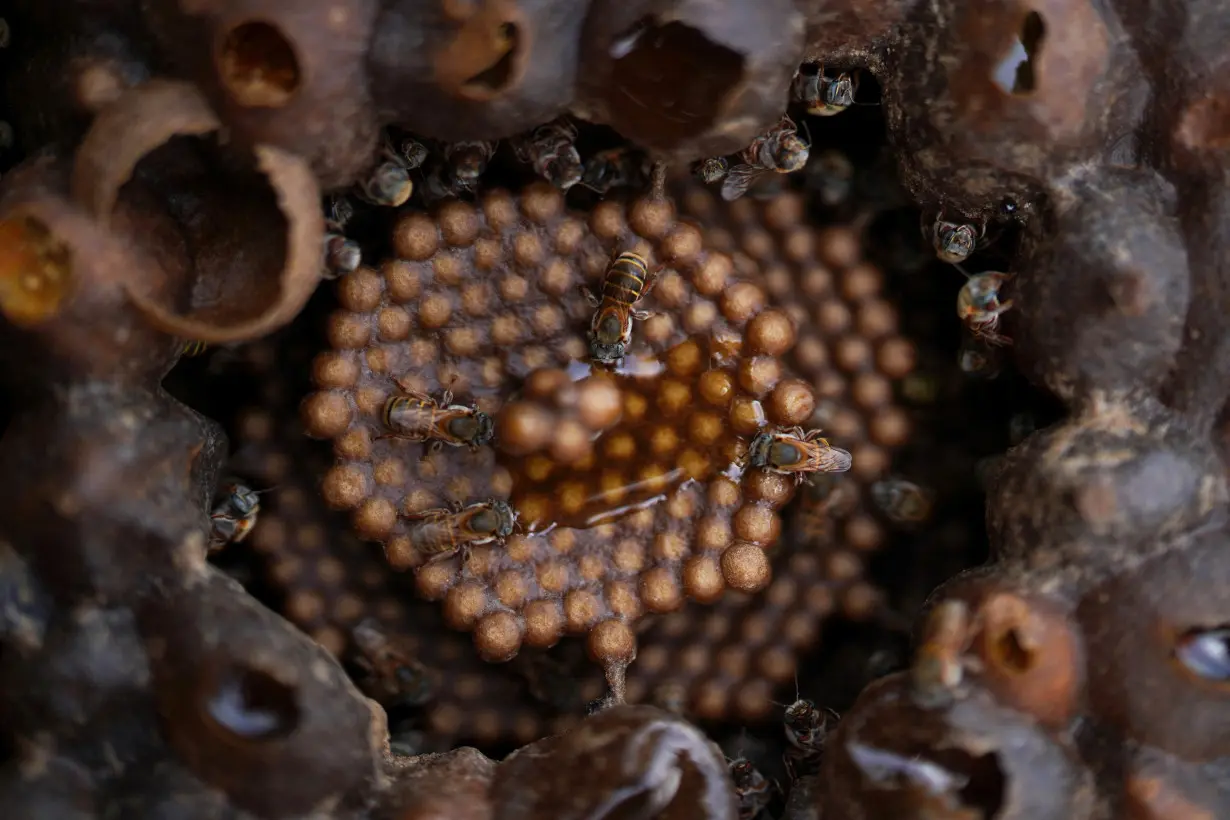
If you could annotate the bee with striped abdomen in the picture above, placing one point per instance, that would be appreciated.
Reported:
(440, 532)
(626, 282)
(416, 416)
(793, 452)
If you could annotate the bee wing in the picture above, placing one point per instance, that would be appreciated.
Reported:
(738, 180)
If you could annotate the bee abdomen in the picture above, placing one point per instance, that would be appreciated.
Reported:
(409, 417)
(625, 280)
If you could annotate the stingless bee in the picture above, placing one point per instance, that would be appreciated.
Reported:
(954, 241)
(823, 97)
(711, 169)
(467, 161)
(442, 531)
(625, 283)
(388, 185)
(391, 676)
(340, 255)
(979, 306)
(793, 452)
(806, 728)
(753, 790)
(552, 152)
(415, 416)
(234, 515)
(615, 168)
(902, 501)
(407, 151)
(779, 149)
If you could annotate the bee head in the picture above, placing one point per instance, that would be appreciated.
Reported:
(956, 242)
(607, 354)
(793, 154)
(486, 429)
(758, 452)
(472, 428)
(244, 500)
(801, 711)
(505, 519)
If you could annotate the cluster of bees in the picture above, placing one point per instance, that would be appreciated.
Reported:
(978, 303)
(450, 169)
(806, 728)
(780, 149)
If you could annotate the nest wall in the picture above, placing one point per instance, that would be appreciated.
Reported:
(175, 157)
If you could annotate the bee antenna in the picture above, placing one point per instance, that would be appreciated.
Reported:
(806, 130)
(267, 489)
(959, 267)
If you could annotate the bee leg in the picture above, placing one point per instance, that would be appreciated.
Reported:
(796, 431)
(439, 556)
(640, 315)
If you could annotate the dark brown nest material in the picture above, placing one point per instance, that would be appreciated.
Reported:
(1081, 674)
(1090, 655)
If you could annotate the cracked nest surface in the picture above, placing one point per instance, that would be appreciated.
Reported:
(484, 299)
